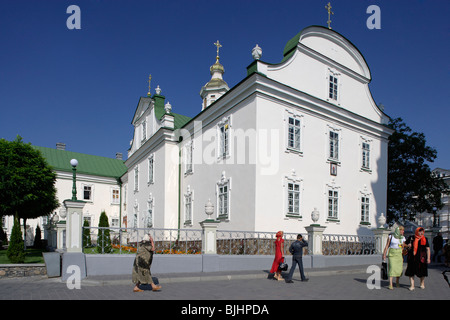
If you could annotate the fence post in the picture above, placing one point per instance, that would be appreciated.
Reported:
(381, 236)
(209, 226)
(74, 225)
(315, 233)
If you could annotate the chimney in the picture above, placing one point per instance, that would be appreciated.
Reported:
(60, 146)
(119, 155)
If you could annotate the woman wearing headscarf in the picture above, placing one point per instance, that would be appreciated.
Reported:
(393, 250)
(418, 257)
(279, 256)
(141, 268)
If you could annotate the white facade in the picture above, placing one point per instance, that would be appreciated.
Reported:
(99, 193)
(291, 137)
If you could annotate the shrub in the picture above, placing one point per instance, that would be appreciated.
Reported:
(16, 250)
(103, 239)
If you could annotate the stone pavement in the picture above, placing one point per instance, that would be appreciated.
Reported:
(343, 283)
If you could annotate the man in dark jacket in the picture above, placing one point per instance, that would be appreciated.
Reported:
(296, 249)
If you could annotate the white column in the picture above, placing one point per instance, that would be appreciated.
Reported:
(74, 224)
(315, 233)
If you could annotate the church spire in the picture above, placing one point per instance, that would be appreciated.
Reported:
(216, 87)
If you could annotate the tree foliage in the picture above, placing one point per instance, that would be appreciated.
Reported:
(412, 188)
(16, 250)
(27, 182)
(103, 239)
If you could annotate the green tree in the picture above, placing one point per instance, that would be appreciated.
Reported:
(103, 239)
(412, 187)
(27, 182)
(86, 234)
(37, 238)
(16, 250)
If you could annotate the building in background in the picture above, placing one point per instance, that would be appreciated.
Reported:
(292, 137)
(97, 181)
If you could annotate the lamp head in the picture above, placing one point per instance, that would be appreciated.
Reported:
(74, 162)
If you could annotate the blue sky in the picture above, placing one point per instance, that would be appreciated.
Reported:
(81, 87)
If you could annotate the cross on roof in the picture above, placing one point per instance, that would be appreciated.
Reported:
(218, 45)
(328, 7)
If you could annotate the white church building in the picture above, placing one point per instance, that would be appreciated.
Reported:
(295, 136)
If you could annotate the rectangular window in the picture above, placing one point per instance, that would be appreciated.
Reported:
(223, 201)
(293, 199)
(364, 209)
(188, 208)
(115, 196)
(151, 170)
(189, 158)
(294, 134)
(224, 147)
(114, 222)
(144, 131)
(333, 204)
(333, 92)
(87, 193)
(334, 145)
(366, 155)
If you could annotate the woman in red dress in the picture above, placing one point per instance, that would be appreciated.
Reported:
(279, 255)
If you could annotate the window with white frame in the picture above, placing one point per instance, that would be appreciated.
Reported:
(293, 198)
(114, 222)
(115, 196)
(294, 130)
(333, 87)
(223, 197)
(151, 169)
(223, 201)
(224, 138)
(88, 219)
(365, 206)
(87, 192)
(333, 204)
(365, 155)
(136, 179)
(144, 130)
(188, 157)
(334, 145)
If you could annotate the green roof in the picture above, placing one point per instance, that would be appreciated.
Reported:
(87, 164)
(179, 119)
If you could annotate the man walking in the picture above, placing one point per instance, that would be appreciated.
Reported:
(296, 249)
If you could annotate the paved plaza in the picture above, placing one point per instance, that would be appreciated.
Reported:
(349, 283)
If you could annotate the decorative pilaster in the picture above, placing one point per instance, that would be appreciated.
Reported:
(209, 227)
(315, 233)
(74, 224)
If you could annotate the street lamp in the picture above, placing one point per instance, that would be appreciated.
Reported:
(74, 163)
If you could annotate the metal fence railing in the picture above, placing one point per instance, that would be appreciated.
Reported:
(189, 241)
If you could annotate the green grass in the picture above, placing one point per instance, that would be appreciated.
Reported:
(31, 256)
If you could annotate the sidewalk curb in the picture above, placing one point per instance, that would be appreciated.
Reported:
(257, 274)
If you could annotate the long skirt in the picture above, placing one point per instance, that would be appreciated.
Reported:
(141, 268)
(395, 260)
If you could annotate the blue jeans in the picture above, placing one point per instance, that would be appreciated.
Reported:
(296, 260)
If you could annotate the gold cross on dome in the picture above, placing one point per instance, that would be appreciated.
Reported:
(328, 7)
(218, 45)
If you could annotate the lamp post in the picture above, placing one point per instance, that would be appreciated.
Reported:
(74, 163)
